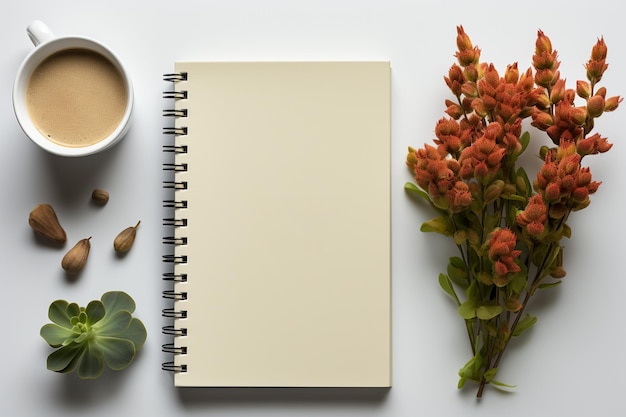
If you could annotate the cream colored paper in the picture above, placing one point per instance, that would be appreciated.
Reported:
(288, 224)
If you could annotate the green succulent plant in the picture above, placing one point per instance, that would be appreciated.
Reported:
(87, 338)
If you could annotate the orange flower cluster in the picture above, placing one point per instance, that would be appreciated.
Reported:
(534, 217)
(503, 254)
(440, 178)
(507, 227)
(483, 158)
(563, 183)
(555, 111)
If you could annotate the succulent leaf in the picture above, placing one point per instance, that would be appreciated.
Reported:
(56, 335)
(91, 363)
(73, 309)
(64, 359)
(117, 300)
(136, 333)
(87, 338)
(117, 324)
(57, 313)
(117, 353)
(95, 311)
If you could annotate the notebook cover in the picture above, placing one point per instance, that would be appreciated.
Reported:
(288, 224)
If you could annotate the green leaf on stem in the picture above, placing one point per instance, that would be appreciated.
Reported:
(489, 374)
(457, 271)
(550, 284)
(460, 236)
(523, 184)
(519, 281)
(513, 197)
(567, 231)
(500, 385)
(467, 310)
(487, 312)
(438, 224)
(446, 284)
(409, 186)
(471, 370)
(473, 293)
(524, 140)
(524, 324)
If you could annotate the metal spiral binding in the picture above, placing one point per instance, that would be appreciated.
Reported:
(175, 95)
(175, 294)
(176, 76)
(173, 259)
(174, 331)
(182, 204)
(173, 313)
(175, 113)
(171, 367)
(175, 167)
(175, 222)
(175, 149)
(171, 276)
(176, 131)
(173, 240)
(171, 348)
(177, 185)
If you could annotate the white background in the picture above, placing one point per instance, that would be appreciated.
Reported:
(570, 364)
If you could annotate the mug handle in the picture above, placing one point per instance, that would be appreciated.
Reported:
(39, 32)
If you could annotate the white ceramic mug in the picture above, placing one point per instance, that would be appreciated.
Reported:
(47, 44)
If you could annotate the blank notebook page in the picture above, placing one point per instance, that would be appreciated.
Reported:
(288, 224)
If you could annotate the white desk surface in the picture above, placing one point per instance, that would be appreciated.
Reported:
(570, 364)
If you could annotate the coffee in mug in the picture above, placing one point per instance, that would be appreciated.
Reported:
(76, 97)
(72, 96)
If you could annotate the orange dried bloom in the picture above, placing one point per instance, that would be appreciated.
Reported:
(472, 128)
(534, 217)
(542, 120)
(583, 89)
(612, 103)
(467, 53)
(558, 91)
(484, 156)
(502, 252)
(447, 132)
(595, 105)
(458, 197)
(545, 61)
(455, 79)
(597, 63)
(439, 177)
(542, 44)
(599, 50)
(592, 145)
(567, 120)
(562, 182)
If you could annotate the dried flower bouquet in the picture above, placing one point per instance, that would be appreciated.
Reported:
(507, 227)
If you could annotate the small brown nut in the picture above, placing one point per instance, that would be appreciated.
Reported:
(76, 258)
(100, 196)
(125, 239)
(44, 221)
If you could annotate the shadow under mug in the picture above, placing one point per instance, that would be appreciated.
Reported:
(47, 44)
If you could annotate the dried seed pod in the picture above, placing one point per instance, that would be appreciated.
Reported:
(100, 196)
(76, 258)
(125, 239)
(44, 221)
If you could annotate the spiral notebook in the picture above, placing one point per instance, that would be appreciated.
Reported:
(280, 267)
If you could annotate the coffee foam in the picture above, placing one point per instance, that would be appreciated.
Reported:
(76, 97)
